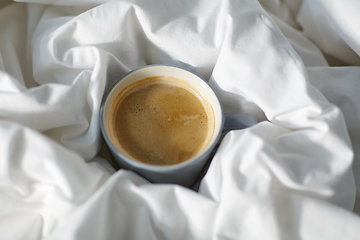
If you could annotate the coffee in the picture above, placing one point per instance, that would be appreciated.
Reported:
(161, 121)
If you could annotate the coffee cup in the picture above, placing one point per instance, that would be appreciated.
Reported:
(163, 122)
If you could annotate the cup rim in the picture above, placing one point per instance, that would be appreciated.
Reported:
(157, 168)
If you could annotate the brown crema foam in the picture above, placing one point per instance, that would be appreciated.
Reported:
(161, 121)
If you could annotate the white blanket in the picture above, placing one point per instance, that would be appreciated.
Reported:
(291, 63)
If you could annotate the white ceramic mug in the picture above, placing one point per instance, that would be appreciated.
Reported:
(184, 173)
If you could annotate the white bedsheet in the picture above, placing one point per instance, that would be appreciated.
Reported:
(293, 64)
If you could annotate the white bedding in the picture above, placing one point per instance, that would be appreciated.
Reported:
(293, 64)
